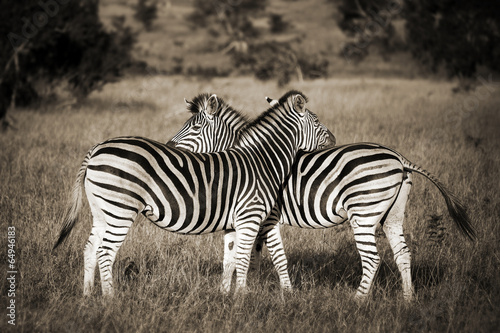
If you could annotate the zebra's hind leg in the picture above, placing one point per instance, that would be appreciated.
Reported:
(90, 257)
(365, 214)
(93, 244)
(115, 233)
(229, 263)
(393, 228)
(364, 235)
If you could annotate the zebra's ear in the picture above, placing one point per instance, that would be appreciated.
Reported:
(188, 103)
(272, 102)
(212, 105)
(299, 103)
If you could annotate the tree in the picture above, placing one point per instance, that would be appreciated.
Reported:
(146, 12)
(280, 61)
(57, 41)
(232, 16)
(459, 35)
(368, 23)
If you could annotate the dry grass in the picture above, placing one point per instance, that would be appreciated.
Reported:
(172, 284)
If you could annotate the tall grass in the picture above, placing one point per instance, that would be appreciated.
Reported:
(169, 282)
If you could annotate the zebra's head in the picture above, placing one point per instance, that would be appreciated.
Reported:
(212, 127)
(315, 135)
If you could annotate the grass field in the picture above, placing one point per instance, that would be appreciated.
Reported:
(176, 286)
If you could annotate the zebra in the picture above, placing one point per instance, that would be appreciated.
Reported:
(189, 193)
(366, 184)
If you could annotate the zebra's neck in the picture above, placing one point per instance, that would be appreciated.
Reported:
(271, 140)
(233, 119)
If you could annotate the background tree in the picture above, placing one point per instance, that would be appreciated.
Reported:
(50, 44)
(460, 35)
(146, 11)
(232, 16)
(368, 24)
(278, 25)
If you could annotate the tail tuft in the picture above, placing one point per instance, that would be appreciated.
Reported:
(455, 207)
(459, 214)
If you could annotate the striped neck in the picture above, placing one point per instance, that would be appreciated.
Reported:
(234, 122)
(272, 140)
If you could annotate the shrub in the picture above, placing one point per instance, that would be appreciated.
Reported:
(461, 39)
(231, 16)
(146, 12)
(280, 62)
(277, 24)
(59, 42)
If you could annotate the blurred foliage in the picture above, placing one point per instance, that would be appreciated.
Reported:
(50, 44)
(232, 16)
(146, 11)
(207, 72)
(278, 25)
(273, 60)
(313, 66)
(461, 35)
(267, 60)
(457, 35)
(369, 24)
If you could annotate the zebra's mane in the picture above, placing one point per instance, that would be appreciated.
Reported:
(199, 102)
(283, 98)
(272, 109)
(226, 112)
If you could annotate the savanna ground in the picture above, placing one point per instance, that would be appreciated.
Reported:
(173, 283)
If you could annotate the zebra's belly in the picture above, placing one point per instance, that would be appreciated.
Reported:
(309, 214)
(195, 223)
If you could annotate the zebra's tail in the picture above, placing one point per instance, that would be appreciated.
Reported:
(455, 207)
(74, 203)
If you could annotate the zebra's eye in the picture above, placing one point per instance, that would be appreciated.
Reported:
(196, 127)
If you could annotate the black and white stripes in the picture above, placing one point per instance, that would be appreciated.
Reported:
(364, 183)
(187, 192)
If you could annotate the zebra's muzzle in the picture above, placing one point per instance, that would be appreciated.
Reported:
(171, 144)
(328, 141)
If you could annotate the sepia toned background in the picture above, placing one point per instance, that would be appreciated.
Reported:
(418, 76)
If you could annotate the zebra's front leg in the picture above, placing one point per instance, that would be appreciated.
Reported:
(274, 244)
(256, 258)
(229, 263)
(246, 232)
(364, 235)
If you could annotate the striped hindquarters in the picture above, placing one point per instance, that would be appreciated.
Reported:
(178, 191)
(327, 187)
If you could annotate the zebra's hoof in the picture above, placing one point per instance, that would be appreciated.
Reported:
(224, 289)
(410, 297)
(240, 291)
(360, 297)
